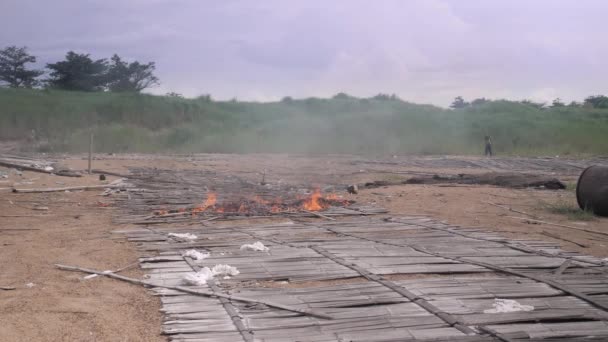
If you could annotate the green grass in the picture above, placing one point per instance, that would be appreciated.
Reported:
(570, 210)
(146, 123)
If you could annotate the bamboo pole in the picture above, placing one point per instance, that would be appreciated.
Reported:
(560, 225)
(69, 188)
(306, 312)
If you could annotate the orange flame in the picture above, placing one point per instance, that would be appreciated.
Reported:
(209, 202)
(312, 203)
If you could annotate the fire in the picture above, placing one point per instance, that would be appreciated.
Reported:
(312, 203)
(256, 205)
(209, 202)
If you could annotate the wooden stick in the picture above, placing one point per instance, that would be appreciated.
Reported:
(90, 150)
(69, 188)
(110, 173)
(17, 229)
(562, 267)
(509, 208)
(559, 225)
(319, 215)
(23, 167)
(307, 312)
(555, 236)
(26, 216)
(35, 169)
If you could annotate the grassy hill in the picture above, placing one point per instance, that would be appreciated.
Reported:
(146, 123)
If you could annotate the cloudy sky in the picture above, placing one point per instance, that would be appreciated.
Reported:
(426, 51)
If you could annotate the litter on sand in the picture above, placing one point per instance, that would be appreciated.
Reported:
(257, 246)
(507, 305)
(224, 270)
(30, 285)
(184, 236)
(194, 254)
(199, 278)
(205, 274)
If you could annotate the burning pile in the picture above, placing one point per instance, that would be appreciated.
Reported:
(260, 206)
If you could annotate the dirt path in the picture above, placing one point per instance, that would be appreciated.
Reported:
(59, 305)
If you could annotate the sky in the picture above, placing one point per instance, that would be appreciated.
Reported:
(425, 51)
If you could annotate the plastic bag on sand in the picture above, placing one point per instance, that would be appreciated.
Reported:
(257, 246)
(194, 254)
(507, 305)
(199, 278)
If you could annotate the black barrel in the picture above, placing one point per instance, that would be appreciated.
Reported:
(592, 190)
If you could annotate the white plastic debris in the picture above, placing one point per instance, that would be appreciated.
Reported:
(257, 246)
(30, 285)
(507, 305)
(205, 274)
(184, 236)
(224, 270)
(91, 276)
(194, 254)
(199, 278)
(48, 168)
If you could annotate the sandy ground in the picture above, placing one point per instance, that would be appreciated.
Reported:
(60, 305)
(75, 230)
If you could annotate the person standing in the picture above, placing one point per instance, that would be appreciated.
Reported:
(488, 151)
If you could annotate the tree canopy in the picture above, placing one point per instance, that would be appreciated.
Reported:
(597, 101)
(458, 103)
(78, 72)
(130, 77)
(13, 70)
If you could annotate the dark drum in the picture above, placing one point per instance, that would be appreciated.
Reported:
(592, 190)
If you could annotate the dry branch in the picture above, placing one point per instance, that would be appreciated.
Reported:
(555, 236)
(509, 208)
(69, 188)
(110, 173)
(319, 215)
(560, 225)
(307, 312)
(35, 169)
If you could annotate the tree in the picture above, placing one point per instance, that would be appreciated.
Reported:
(78, 72)
(537, 105)
(13, 70)
(557, 103)
(458, 103)
(382, 97)
(341, 96)
(479, 101)
(204, 98)
(130, 77)
(596, 101)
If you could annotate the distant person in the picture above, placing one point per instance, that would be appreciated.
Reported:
(488, 151)
(32, 136)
